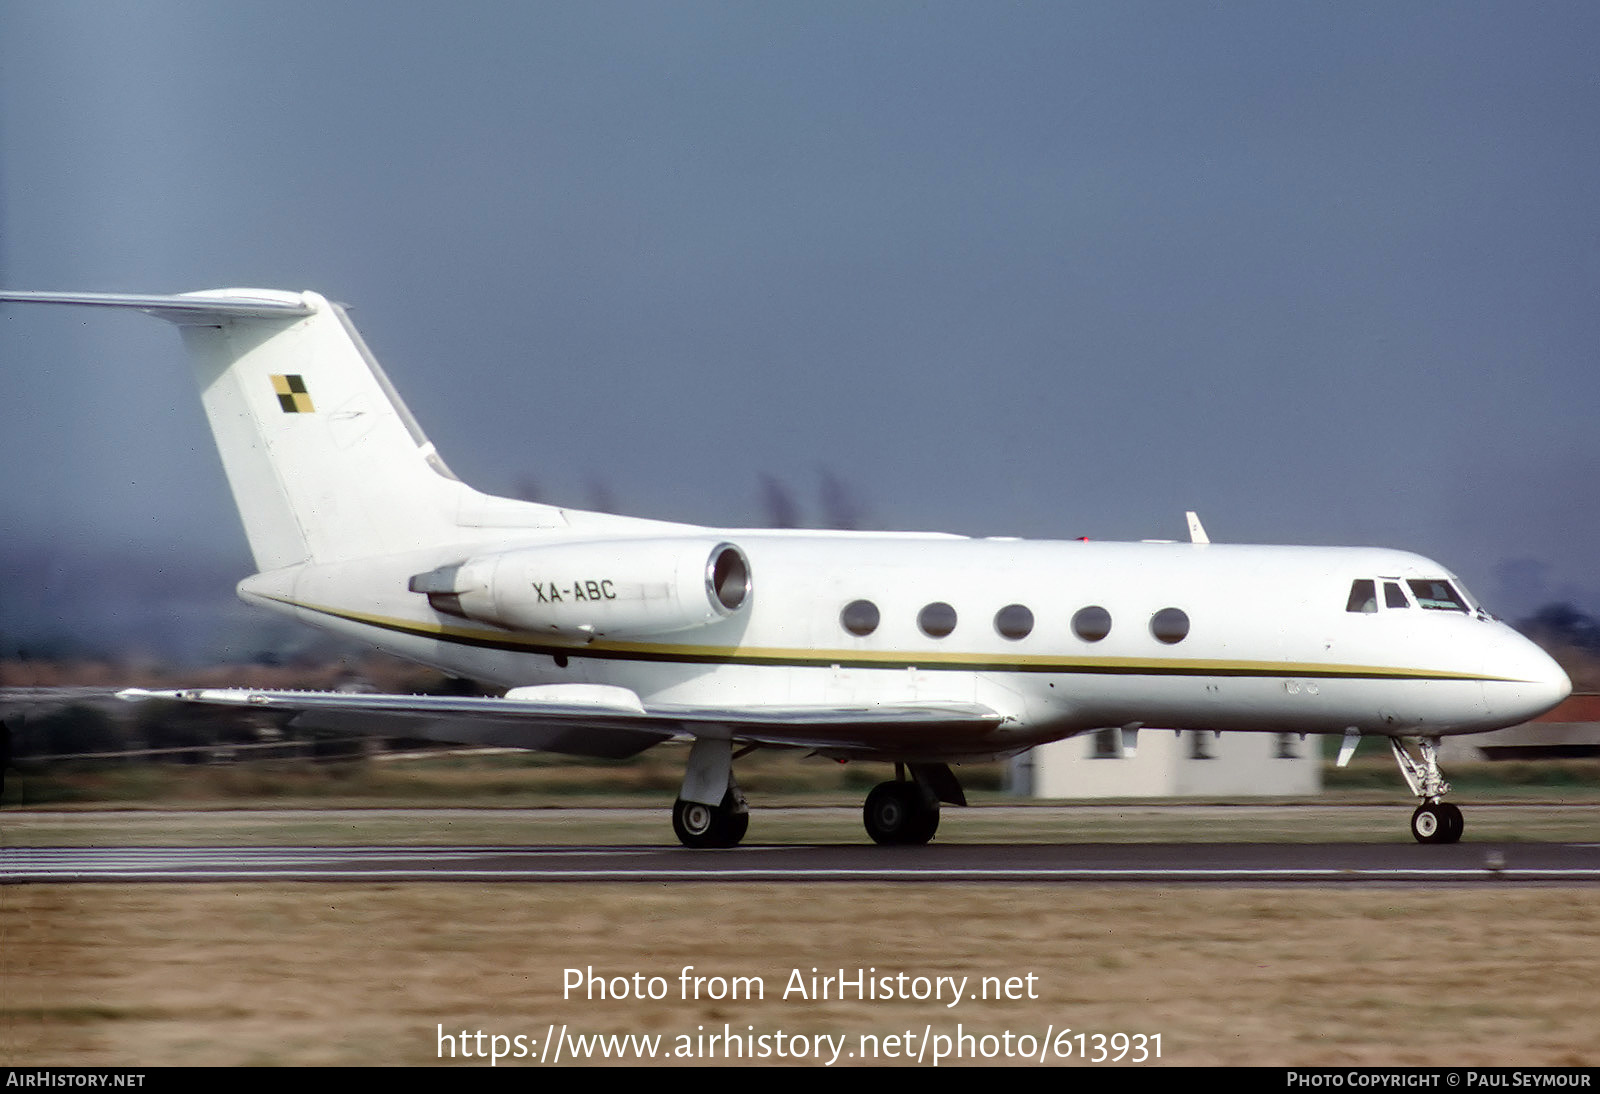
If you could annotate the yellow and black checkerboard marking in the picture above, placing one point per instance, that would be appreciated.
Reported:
(292, 394)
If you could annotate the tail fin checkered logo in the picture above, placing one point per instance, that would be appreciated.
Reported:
(292, 394)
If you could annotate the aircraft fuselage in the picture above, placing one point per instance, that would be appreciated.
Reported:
(1059, 637)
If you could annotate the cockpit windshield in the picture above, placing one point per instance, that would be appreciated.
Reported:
(1438, 595)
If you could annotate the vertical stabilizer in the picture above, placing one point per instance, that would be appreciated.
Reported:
(325, 461)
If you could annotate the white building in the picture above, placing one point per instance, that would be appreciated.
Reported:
(1169, 764)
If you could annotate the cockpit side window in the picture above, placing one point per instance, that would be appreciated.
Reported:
(1363, 596)
(1438, 595)
(1394, 596)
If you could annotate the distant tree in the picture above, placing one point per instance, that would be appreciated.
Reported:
(778, 506)
(167, 726)
(71, 730)
(602, 499)
(840, 508)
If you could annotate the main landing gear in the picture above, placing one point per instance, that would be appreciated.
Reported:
(710, 810)
(903, 811)
(1435, 820)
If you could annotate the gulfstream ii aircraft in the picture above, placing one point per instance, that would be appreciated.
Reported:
(611, 634)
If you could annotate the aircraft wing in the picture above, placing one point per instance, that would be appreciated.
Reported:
(612, 729)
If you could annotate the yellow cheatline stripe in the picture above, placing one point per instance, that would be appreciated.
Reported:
(823, 658)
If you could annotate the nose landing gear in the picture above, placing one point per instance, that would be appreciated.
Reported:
(1435, 820)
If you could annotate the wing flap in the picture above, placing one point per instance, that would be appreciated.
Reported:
(905, 729)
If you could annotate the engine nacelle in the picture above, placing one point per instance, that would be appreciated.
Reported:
(584, 591)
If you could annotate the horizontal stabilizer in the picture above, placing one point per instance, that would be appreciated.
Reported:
(186, 309)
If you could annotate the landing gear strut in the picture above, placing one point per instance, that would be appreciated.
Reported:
(1435, 820)
(709, 778)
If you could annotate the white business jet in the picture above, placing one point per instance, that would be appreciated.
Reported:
(613, 634)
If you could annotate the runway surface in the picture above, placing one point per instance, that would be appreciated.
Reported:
(1164, 863)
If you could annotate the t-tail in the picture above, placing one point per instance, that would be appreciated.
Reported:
(325, 461)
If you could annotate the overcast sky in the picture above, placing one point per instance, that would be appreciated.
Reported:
(1327, 273)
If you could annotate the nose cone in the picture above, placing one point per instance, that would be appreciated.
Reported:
(1524, 681)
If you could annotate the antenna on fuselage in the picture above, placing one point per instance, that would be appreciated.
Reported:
(1197, 533)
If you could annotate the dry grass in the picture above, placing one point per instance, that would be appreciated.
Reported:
(363, 974)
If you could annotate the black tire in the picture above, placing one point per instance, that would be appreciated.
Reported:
(926, 820)
(1455, 823)
(694, 823)
(702, 826)
(738, 825)
(1430, 824)
(900, 814)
